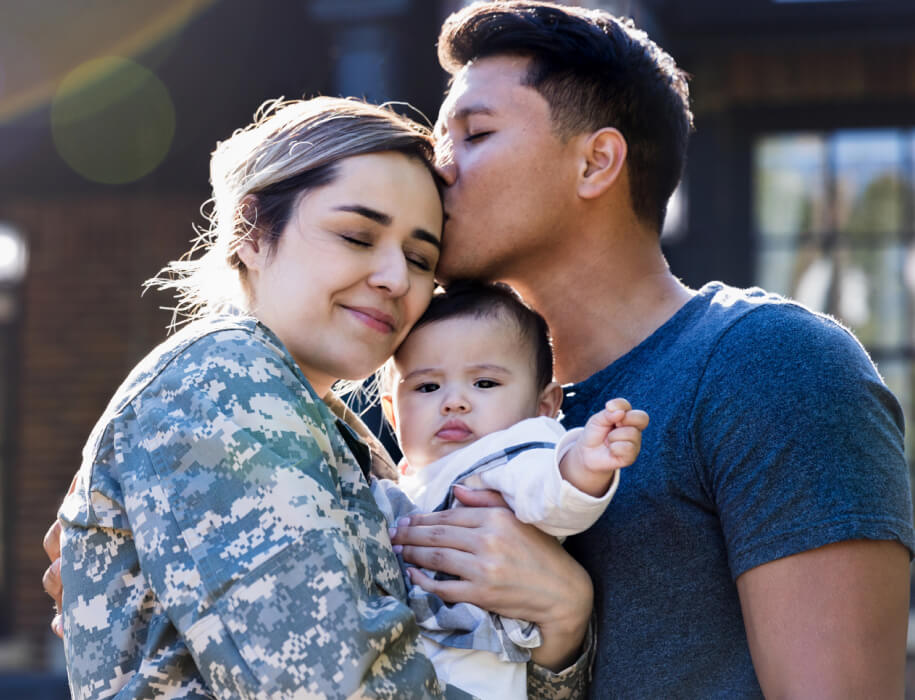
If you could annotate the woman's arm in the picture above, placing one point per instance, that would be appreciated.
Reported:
(255, 531)
(506, 567)
(297, 584)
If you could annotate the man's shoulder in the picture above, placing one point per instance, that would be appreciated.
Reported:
(731, 305)
(773, 324)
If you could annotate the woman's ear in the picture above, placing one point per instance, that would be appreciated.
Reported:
(387, 408)
(550, 400)
(604, 157)
(252, 251)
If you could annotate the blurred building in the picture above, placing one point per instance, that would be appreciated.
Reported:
(801, 178)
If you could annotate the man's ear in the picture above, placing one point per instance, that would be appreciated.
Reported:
(550, 400)
(604, 156)
(387, 408)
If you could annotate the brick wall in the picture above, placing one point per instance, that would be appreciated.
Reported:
(84, 325)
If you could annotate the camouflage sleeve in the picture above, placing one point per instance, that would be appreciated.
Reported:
(570, 683)
(108, 654)
(256, 531)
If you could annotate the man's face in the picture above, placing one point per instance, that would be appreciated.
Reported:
(510, 179)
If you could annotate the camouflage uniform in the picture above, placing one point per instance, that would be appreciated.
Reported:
(222, 540)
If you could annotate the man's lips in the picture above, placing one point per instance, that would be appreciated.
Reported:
(373, 318)
(454, 431)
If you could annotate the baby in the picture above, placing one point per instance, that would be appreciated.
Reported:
(472, 401)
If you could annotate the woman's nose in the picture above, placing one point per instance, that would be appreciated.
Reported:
(391, 273)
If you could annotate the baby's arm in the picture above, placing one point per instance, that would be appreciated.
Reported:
(611, 439)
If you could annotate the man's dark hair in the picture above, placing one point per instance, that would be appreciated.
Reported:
(594, 70)
(470, 298)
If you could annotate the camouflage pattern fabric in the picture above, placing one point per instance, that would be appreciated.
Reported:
(570, 683)
(222, 541)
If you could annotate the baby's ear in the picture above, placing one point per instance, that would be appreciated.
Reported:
(387, 408)
(550, 400)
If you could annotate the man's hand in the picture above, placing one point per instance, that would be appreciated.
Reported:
(504, 566)
(51, 579)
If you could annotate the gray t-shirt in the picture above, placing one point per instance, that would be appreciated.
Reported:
(771, 434)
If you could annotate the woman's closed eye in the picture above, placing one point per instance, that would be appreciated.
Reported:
(420, 262)
(360, 240)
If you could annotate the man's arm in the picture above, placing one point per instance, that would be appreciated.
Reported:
(830, 622)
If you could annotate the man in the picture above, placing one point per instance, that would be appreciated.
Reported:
(761, 543)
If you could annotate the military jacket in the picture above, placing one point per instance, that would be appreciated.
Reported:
(222, 540)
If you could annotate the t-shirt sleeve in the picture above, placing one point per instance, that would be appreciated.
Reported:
(260, 539)
(798, 441)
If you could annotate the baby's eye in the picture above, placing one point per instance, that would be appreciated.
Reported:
(485, 383)
(427, 387)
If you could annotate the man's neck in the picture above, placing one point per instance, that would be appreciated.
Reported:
(602, 300)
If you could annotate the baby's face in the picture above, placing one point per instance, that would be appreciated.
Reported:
(457, 380)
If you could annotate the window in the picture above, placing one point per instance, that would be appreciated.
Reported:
(833, 216)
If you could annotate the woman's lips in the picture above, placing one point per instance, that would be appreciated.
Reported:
(373, 318)
(454, 431)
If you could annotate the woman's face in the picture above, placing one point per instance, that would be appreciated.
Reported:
(352, 270)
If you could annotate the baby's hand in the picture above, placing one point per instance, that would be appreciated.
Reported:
(611, 439)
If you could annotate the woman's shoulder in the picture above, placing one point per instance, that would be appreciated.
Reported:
(229, 338)
(228, 348)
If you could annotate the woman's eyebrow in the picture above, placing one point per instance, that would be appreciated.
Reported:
(424, 235)
(386, 220)
(367, 212)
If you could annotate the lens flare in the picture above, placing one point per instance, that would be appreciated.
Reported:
(112, 120)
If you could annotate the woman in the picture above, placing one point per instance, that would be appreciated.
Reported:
(221, 539)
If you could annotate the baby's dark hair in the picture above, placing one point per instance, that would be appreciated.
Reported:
(476, 299)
